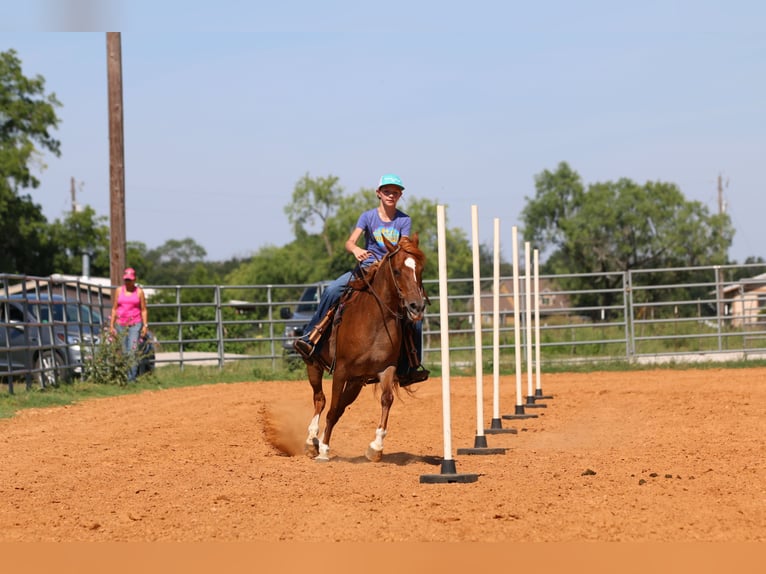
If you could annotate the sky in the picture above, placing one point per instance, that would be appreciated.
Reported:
(228, 104)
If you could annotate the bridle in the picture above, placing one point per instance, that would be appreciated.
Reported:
(387, 261)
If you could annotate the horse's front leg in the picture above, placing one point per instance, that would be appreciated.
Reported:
(343, 394)
(375, 450)
(311, 448)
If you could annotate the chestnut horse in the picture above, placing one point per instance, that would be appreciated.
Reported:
(366, 341)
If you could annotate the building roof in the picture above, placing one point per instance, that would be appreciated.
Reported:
(747, 284)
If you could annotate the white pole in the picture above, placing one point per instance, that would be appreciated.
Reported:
(444, 328)
(538, 385)
(528, 306)
(477, 322)
(516, 327)
(496, 323)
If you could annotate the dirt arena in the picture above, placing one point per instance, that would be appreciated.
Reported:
(671, 456)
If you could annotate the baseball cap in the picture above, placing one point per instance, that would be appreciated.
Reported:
(390, 179)
(130, 273)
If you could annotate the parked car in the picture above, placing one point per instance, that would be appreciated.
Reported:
(47, 335)
(297, 320)
(26, 347)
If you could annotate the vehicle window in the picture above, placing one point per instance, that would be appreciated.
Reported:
(87, 315)
(15, 314)
(71, 314)
(309, 300)
(95, 314)
(44, 311)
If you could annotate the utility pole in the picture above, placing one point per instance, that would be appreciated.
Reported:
(721, 207)
(116, 158)
(74, 196)
(722, 210)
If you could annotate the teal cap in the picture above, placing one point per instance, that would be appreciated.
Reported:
(390, 179)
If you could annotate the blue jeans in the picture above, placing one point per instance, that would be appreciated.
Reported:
(129, 335)
(329, 297)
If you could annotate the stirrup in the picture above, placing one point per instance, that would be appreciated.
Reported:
(304, 348)
(417, 376)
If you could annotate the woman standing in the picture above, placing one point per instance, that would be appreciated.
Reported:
(129, 318)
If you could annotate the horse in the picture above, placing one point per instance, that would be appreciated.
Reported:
(366, 342)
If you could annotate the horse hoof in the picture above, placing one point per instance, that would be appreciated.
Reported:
(322, 457)
(311, 449)
(373, 455)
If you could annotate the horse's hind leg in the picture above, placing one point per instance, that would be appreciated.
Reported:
(375, 449)
(315, 373)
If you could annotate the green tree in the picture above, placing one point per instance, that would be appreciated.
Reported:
(137, 258)
(27, 117)
(173, 262)
(315, 201)
(618, 226)
(78, 233)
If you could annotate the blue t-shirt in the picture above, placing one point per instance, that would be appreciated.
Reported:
(375, 229)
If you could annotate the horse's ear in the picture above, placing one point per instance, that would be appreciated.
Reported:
(415, 239)
(389, 246)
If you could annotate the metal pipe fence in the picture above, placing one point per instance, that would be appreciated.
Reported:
(654, 315)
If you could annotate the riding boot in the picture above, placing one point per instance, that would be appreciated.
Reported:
(410, 368)
(306, 345)
(316, 333)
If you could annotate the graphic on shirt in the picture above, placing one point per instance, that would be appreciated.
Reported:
(390, 233)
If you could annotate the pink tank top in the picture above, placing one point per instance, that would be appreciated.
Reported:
(128, 307)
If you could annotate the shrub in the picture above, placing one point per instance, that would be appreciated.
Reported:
(109, 365)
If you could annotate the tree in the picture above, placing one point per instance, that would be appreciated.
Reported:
(27, 116)
(618, 226)
(314, 199)
(172, 262)
(81, 232)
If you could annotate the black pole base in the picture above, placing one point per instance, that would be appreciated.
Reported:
(496, 427)
(539, 394)
(519, 417)
(519, 414)
(480, 447)
(534, 405)
(448, 475)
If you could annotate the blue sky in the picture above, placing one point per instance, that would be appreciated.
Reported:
(228, 104)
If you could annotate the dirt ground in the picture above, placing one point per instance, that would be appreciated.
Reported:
(644, 456)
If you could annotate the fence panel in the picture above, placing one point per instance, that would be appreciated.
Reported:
(653, 315)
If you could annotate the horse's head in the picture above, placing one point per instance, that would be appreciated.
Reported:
(407, 263)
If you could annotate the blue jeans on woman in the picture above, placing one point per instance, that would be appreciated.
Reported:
(129, 335)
